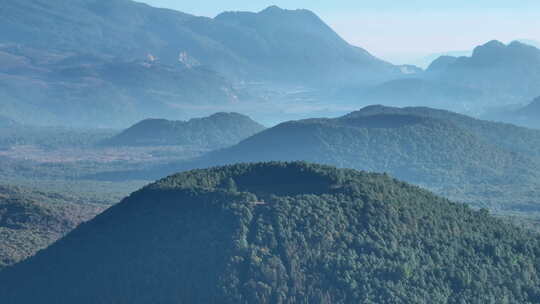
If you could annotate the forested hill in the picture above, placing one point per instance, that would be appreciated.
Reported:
(488, 164)
(508, 136)
(283, 233)
(32, 220)
(216, 131)
(439, 153)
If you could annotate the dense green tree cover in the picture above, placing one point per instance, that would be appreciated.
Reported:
(31, 220)
(216, 131)
(507, 136)
(51, 137)
(283, 233)
(489, 164)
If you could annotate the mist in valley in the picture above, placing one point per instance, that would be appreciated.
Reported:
(252, 152)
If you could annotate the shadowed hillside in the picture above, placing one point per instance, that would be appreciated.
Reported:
(32, 220)
(282, 233)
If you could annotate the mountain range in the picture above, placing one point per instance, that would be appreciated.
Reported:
(260, 45)
(493, 68)
(282, 233)
(216, 131)
(475, 84)
(111, 63)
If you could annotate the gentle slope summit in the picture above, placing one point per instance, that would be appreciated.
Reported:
(282, 233)
(216, 131)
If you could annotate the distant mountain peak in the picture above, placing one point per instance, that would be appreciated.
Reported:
(489, 48)
(216, 131)
(522, 46)
(441, 63)
(272, 9)
(497, 47)
(495, 43)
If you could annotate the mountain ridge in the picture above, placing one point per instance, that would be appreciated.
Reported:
(166, 33)
(483, 163)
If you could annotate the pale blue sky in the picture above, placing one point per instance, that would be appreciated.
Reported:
(401, 30)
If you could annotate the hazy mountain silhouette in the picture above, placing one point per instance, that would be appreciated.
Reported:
(493, 68)
(419, 92)
(473, 84)
(39, 87)
(527, 116)
(112, 63)
(481, 162)
(216, 131)
(249, 46)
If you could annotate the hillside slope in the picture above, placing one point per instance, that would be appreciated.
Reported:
(508, 136)
(59, 88)
(283, 233)
(412, 147)
(31, 220)
(216, 131)
(527, 116)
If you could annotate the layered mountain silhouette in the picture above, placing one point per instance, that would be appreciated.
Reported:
(31, 220)
(471, 84)
(239, 44)
(527, 115)
(47, 87)
(112, 63)
(216, 131)
(418, 92)
(484, 163)
(494, 67)
(282, 233)
(509, 137)
(414, 147)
